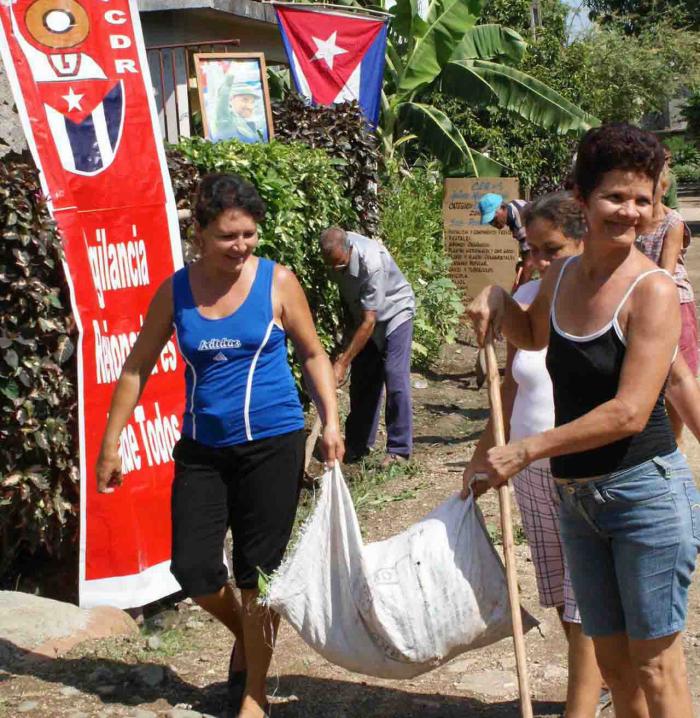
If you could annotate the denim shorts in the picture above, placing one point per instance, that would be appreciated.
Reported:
(631, 539)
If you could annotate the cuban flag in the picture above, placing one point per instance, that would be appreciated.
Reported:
(86, 120)
(335, 57)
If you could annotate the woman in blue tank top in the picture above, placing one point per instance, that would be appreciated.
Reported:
(630, 510)
(240, 459)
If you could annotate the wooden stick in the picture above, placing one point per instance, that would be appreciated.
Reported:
(311, 442)
(494, 383)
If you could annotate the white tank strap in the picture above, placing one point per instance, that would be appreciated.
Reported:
(552, 311)
(633, 285)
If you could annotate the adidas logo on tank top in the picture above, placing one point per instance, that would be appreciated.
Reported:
(219, 357)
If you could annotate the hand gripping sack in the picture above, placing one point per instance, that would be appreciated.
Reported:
(396, 608)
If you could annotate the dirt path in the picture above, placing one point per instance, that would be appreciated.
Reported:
(187, 653)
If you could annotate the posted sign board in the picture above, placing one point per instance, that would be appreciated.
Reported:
(481, 254)
(80, 80)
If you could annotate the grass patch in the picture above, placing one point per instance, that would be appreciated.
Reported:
(494, 532)
(365, 481)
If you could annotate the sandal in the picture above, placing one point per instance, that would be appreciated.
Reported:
(236, 684)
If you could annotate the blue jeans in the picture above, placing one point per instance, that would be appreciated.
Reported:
(631, 539)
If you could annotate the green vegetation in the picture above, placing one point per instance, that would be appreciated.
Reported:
(38, 442)
(411, 227)
(478, 64)
(304, 195)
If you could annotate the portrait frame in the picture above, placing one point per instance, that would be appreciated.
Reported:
(219, 75)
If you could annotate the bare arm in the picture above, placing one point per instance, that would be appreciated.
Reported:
(316, 367)
(524, 328)
(157, 329)
(683, 392)
(477, 463)
(652, 333)
(671, 249)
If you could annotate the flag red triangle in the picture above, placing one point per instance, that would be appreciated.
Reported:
(327, 46)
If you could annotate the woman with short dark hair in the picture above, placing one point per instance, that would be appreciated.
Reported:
(630, 512)
(239, 462)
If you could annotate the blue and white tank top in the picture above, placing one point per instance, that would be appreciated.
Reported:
(238, 380)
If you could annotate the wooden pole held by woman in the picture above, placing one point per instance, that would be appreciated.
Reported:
(494, 384)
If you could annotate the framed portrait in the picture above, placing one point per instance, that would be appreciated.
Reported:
(233, 96)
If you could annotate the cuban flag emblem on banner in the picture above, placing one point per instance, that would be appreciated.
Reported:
(334, 56)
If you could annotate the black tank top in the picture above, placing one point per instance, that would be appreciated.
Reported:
(585, 373)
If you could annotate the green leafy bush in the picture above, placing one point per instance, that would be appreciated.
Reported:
(342, 132)
(688, 173)
(304, 194)
(38, 448)
(411, 227)
(682, 151)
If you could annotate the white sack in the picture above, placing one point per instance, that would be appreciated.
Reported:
(396, 608)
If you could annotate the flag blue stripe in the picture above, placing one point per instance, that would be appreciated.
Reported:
(372, 76)
(83, 144)
(113, 113)
(290, 54)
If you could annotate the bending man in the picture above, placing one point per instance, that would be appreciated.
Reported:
(382, 305)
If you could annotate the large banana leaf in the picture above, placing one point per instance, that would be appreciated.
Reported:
(438, 7)
(406, 21)
(436, 131)
(482, 82)
(432, 51)
(490, 42)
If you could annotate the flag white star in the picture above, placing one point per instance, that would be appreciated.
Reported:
(327, 49)
(73, 100)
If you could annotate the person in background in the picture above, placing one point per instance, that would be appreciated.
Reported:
(240, 460)
(630, 510)
(494, 210)
(665, 239)
(382, 305)
(670, 196)
(555, 228)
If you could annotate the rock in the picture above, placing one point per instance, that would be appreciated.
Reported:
(101, 675)
(150, 674)
(489, 684)
(427, 703)
(106, 690)
(145, 714)
(78, 714)
(182, 713)
(555, 674)
(8, 654)
(27, 706)
(461, 666)
(507, 662)
(420, 384)
(153, 643)
(69, 691)
(194, 623)
(51, 628)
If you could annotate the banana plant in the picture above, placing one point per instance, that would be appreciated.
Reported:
(445, 49)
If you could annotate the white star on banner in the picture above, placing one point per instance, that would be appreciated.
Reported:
(73, 100)
(327, 49)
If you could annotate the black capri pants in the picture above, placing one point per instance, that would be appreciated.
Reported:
(253, 488)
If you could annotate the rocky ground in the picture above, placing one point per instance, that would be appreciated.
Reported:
(176, 665)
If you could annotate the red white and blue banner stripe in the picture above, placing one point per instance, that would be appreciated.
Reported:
(335, 56)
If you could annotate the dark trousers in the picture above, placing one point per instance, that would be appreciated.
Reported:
(372, 370)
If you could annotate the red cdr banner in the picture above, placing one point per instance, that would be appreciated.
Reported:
(80, 78)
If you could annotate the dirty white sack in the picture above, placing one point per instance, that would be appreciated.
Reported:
(395, 608)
